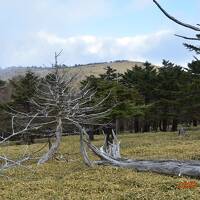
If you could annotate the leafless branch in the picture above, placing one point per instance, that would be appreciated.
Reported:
(195, 28)
(188, 38)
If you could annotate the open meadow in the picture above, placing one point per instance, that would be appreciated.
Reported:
(67, 177)
(70, 70)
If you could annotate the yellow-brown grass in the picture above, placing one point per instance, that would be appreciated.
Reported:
(73, 180)
(86, 70)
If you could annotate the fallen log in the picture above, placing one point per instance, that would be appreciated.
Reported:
(189, 168)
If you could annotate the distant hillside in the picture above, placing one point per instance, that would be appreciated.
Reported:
(85, 70)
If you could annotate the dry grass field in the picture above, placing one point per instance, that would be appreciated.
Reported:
(70, 179)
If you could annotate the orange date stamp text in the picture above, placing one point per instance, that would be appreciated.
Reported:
(187, 185)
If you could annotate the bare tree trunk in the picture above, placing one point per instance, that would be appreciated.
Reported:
(83, 148)
(160, 125)
(155, 126)
(194, 122)
(117, 126)
(136, 125)
(164, 125)
(54, 148)
(174, 124)
(124, 125)
(146, 126)
(131, 125)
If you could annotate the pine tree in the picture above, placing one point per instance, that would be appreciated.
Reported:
(192, 93)
(171, 81)
(144, 79)
(24, 89)
(126, 101)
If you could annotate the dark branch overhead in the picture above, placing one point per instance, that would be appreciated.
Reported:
(187, 38)
(195, 28)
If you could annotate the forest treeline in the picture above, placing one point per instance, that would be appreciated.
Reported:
(142, 99)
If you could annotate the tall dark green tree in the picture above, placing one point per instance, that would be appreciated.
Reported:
(144, 79)
(110, 74)
(4, 98)
(194, 47)
(24, 89)
(194, 68)
(192, 93)
(125, 101)
(172, 79)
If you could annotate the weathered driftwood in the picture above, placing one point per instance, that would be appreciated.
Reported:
(84, 137)
(111, 146)
(170, 167)
(54, 147)
(189, 168)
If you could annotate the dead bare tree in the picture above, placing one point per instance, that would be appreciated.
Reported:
(56, 102)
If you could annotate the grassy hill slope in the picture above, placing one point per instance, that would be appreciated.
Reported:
(85, 70)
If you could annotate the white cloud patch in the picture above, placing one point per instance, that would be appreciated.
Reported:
(39, 48)
(32, 30)
(92, 48)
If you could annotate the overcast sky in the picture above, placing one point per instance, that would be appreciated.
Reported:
(93, 31)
